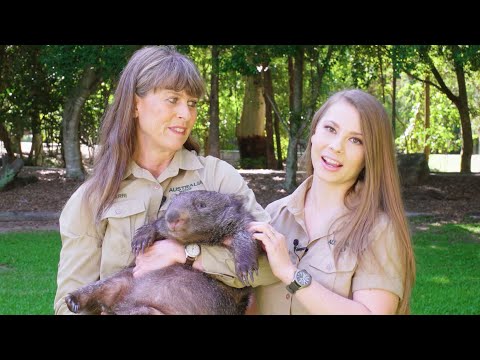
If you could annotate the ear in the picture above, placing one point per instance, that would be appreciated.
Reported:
(135, 106)
(237, 201)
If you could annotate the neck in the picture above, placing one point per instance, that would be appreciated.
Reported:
(326, 196)
(154, 161)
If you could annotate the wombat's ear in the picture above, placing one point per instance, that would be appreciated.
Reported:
(237, 201)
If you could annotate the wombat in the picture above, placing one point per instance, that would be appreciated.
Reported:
(202, 217)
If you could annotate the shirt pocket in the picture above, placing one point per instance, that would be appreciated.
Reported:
(335, 277)
(123, 219)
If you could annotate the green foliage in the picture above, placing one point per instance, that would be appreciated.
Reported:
(28, 268)
(444, 132)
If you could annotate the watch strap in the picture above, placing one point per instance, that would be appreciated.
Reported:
(189, 261)
(293, 287)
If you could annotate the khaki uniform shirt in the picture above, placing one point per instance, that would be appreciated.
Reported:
(90, 253)
(343, 278)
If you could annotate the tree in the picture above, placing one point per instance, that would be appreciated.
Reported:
(462, 59)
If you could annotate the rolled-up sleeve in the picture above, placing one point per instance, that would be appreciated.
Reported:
(80, 255)
(218, 262)
(382, 269)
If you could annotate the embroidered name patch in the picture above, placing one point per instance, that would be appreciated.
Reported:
(184, 188)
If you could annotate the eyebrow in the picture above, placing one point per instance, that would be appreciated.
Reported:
(351, 132)
(178, 93)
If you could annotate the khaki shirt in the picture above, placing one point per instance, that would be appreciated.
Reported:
(90, 253)
(343, 278)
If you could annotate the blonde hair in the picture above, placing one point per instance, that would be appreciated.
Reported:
(377, 188)
(149, 68)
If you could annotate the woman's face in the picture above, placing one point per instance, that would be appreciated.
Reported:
(338, 155)
(165, 119)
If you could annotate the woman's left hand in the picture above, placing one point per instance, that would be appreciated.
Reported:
(162, 253)
(276, 247)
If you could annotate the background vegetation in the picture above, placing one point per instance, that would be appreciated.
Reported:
(265, 96)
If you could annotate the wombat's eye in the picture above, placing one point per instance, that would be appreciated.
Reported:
(202, 205)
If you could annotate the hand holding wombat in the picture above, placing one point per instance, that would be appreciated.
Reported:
(203, 217)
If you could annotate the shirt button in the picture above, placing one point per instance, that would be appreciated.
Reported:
(157, 187)
(287, 296)
(118, 211)
(329, 267)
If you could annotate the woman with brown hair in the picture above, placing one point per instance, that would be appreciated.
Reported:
(146, 157)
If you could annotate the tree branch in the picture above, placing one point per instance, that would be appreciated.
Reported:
(274, 107)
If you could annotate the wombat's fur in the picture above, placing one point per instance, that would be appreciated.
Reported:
(203, 217)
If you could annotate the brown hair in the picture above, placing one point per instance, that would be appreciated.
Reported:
(149, 68)
(377, 188)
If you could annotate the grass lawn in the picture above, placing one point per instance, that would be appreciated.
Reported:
(448, 264)
(447, 256)
(28, 270)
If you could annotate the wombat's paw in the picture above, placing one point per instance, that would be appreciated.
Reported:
(144, 237)
(245, 271)
(72, 303)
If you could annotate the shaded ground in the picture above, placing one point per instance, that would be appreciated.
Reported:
(447, 197)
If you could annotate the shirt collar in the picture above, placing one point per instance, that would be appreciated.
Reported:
(183, 159)
(296, 202)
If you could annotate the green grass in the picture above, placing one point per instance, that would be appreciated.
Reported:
(447, 257)
(448, 269)
(28, 270)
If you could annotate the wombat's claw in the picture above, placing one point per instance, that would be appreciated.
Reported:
(72, 304)
(140, 246)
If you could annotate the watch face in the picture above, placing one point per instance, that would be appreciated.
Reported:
(192, 250)
(303, 278)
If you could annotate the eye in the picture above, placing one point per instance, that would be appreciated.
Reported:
(330, 129)
(356, 141)
(201, 205)
(172, 100)
(192, 103)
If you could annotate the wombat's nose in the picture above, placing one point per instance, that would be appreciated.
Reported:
(175, 220)
(175, 225)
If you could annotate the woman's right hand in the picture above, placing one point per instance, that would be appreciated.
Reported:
(160, 254)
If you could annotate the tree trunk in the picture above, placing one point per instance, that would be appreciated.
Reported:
(462, 105)
(71, 122)
(5, 138)
(268, 86)
(9, 170)
(460, 101)
(213, 132)
(296, 81)
(37, 150)
(394, 91)
(426, 149)
(251, 130)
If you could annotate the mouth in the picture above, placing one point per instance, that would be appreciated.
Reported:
(330, 163)
(179, 130)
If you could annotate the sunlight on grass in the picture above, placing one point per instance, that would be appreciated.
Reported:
(440, 280)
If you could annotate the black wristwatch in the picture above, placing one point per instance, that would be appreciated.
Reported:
(301, 279)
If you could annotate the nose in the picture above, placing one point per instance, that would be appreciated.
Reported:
(336, 146)
(183, 111)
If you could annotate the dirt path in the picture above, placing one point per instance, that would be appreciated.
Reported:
(447, 197)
